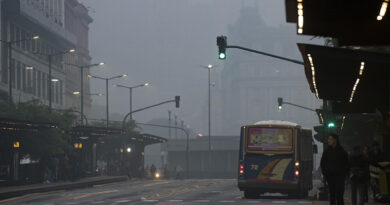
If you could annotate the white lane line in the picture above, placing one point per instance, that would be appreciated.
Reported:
(305, 202)
(175, 200)
(202, 201)
(226, 201)
(149, 200)
(97, 202)
(122, 201)
(253, 201)
(278, 202)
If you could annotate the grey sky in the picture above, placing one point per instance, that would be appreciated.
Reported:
(164, 42)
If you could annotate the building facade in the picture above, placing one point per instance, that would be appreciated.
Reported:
(20, 21)
(77, 22)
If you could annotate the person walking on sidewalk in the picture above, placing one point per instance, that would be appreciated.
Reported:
(335, 168)
(360, 175)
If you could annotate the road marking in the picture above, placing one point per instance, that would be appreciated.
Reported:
(156, 183)
(304, 202)
(95, 193)
(175, 200)
(253, 201)
(278, 202)
(225, 201)
(150, 200)
(97, 202)
(69, 203)
(202, 201)
(122, 201)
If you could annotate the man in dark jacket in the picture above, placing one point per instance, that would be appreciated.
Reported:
(334, 166)
(360, 175)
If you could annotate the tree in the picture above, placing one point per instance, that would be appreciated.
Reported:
(37, 144)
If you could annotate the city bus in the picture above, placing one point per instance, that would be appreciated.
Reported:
(275, 157)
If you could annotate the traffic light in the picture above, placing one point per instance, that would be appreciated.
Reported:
(321, 134)
(177, 101)
(331, 125)
(280, 103)
(222, 43)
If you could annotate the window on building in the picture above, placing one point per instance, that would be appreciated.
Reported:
(57, 92)
(34, 82)
(18, 76)
(24, 36)
(13, 63)
(44, 83)
(39, 83)
(28, 43)
(12, 32)
(61, 93)
(17, 36)
(24, 78)
(29, 80)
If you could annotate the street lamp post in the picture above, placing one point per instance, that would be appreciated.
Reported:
(209, 67)
(9, 46)
(82, 84)
(131, 94)
(49, 58)
(107, 80)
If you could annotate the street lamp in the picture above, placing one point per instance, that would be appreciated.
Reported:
(91, 94)
(49, 57)
(107, 79)
(81, 84)
(9, 46)
(131, 94)
(209, 67)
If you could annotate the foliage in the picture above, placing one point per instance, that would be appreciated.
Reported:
(44, 142)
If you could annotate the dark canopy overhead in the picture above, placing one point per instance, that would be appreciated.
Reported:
(352, 22)
(333, 74)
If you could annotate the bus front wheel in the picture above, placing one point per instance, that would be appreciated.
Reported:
(249, 194)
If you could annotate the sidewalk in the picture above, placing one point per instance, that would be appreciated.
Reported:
(13, 191)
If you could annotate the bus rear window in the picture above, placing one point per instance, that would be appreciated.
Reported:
(270, 139)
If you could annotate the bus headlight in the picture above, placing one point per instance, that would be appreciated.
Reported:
(157, 175)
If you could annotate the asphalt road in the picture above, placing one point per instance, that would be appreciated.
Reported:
(163, 192)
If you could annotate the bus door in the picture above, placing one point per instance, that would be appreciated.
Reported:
(269, 154)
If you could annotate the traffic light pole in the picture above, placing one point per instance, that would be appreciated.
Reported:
(266, 54)
(306, 108)
(141, 109)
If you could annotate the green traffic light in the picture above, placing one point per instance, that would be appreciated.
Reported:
(331, 124)
(222, 56)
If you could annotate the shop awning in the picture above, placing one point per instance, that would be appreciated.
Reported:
(361, 22)
(348, 77)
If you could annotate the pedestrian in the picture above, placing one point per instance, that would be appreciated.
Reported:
(335, 168)
(360, 173)
(366, 154)
(153, 170)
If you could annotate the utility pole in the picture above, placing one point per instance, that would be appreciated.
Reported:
(175, 126)
(169, 120)
(182, 127)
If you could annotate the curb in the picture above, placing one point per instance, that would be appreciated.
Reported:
(56, 187)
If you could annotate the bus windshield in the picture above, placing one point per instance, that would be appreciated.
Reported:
(270, 139)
